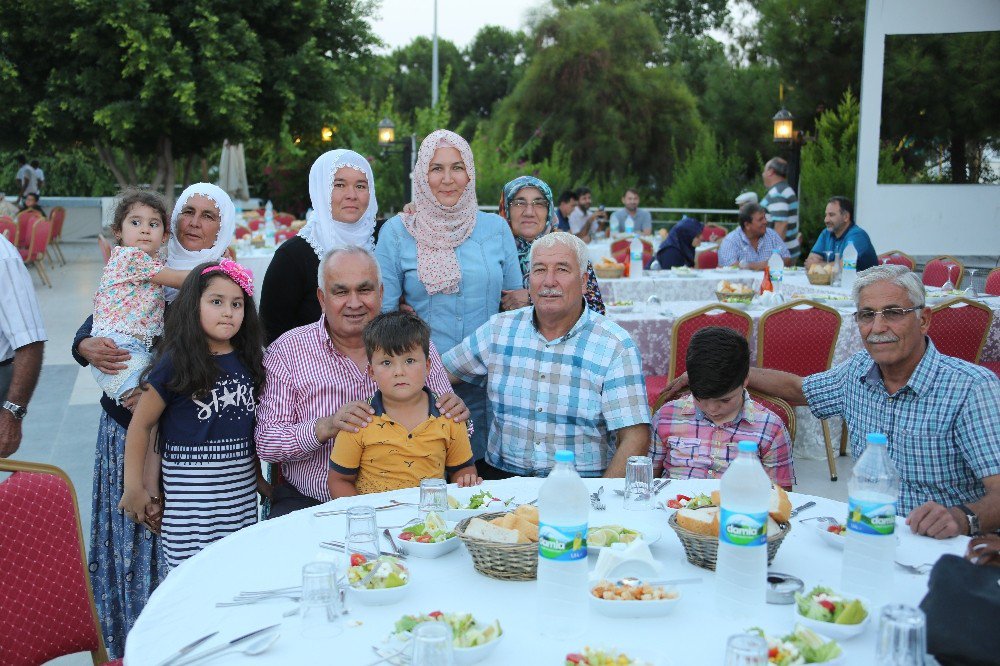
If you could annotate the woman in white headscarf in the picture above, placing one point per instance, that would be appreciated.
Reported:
(342, 191)
(202, 226)
(448, 260)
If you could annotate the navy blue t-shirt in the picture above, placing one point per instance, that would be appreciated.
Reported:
(215, 426)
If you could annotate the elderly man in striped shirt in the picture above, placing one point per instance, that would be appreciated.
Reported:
(939, 412)
(558, 375)
(318, 383)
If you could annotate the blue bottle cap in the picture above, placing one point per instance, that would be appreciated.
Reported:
(565, 456)
(747, 446)
(877, 438)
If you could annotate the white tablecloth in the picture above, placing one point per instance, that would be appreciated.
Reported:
(257, 260)
(271, 554)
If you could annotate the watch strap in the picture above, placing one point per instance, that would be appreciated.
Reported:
(973, 519)
(18, 411)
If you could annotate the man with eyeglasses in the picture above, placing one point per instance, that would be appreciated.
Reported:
(941, 414)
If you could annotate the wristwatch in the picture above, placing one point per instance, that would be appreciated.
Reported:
(18, 411)
(973, 519)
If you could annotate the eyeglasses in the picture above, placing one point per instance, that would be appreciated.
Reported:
(523, 203)
(891, 315)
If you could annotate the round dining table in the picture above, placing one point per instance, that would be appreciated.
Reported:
(271, 555)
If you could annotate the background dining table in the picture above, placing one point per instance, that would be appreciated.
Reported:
(271, 555)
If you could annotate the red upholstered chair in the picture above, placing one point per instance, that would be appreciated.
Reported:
(800, 337)
(48, 608)
(712, 233)
(255, 224)
(284, 219)
(39, 230)
(57, 216)
(707, 259)
(959, 328)
(936, 271)
(282, 235)
(993, 282)
(105, 247)
(992, 365)
(782, 409)
(621, 252)
(654, 387)
(25, 219)
(242, 232)
(898, 258)
(9, 227)
(716, 314)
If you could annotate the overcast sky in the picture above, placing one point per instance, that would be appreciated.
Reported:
(399, 21)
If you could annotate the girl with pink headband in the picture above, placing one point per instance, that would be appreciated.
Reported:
(205, 381)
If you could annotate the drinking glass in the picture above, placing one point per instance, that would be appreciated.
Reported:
(948, 285)
(902, 636)
(433, 497)
(838, 269)
(972, 287)
(746, 650)
(362, 534)
(638, 483)
(432, 645)
(319, 607)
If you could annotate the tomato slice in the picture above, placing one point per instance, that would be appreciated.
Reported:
(357, 559)
(828, 605)
(673, 504)
(406, 536)
(435, 614)
(683, 497)
(574, 658)
(424, 538)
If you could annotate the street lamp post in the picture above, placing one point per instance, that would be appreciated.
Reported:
(386, 140)
(787, 136)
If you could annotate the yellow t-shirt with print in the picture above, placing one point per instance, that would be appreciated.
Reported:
(386, 456)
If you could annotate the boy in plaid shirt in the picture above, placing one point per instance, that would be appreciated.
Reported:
(696, 437)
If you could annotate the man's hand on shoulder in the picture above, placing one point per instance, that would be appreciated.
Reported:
(352, 417)
(453, 407)
(937, 521)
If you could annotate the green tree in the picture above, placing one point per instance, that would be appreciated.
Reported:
(829, 165)
(592, 87)
(154, 86)
(495, 60)
(706, 177)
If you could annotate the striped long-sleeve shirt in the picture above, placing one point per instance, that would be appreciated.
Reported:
(20, 319)
(782, 205)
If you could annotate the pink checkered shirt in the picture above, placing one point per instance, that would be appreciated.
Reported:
(689, 446)
(309, 379)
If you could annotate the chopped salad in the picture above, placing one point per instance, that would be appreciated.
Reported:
(590, 657)
(390, 574)
(480, 500)
(802, 646)
(685, 502)
(432, 530)
(466, 631)
(824, 605)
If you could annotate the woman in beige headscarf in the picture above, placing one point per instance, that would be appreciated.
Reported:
(447, 260)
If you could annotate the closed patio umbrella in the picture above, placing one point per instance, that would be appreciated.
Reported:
(233, 171)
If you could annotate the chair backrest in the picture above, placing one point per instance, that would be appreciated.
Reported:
(959, 328)
(105, 246)
(40, 230)
(284, 219)
(242, 231)
(57, 216)
(707, 259)
(798, 337)
(284, 234)
(255, 224)
(619, 245)
(717, 314)
(25, 221)
(898, 258)
(48, 609)
(782, 409)
(936, 271)
(993, 282)
(9, 227)
(712, 232)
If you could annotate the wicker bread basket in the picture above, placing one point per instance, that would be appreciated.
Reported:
(505, 561)
(609, 272)
(818, 278)
(702, 550)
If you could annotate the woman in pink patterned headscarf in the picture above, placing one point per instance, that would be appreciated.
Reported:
(448, 260)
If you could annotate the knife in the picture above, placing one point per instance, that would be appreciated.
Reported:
(184, 650)
(231, 644)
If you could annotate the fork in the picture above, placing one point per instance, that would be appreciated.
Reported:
(595, 500)
(918, 569)
(253, 600)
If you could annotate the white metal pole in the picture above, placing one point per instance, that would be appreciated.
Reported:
(434, 61)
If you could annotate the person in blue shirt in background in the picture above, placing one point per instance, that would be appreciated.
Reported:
(567, 202)
(841, 229)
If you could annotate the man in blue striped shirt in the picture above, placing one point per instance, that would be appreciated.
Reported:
(751, 245)
(782, 204)
(941, 414)
(558, 375)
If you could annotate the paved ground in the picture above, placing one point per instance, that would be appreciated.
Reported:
(61, 428)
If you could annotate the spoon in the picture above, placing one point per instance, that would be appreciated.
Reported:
(632, 581)
(256, 646)
(392, 542)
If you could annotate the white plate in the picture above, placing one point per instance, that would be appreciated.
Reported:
(649, 536)
(426, 550)
(726, 269)
(838, 632)
(655, 608)
(619, 309)
(685, 274)
(835, 540)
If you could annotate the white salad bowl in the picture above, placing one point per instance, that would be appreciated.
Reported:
(474, 655)
(838, 632)
(648, 608)
(426, 550)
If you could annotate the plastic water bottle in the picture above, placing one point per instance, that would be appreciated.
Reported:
(269, 229)
(629, 225)
(635, 259)
(563, 507)
(777, 267)
(850, 271)
(268, 211)
(741, 567)
(870, 546)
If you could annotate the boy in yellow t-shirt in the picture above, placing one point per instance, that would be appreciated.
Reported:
(408, 439)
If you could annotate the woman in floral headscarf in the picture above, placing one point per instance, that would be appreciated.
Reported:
(526, 204)
(447, 260)
(342, 191)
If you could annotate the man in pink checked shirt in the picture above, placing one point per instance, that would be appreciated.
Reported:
(318, 383)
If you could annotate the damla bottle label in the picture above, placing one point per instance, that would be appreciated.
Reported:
(742, 529)
(866, 517)
(559, 542)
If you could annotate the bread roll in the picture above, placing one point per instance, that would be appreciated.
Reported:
(703, 521)
(526, 527)
(781, 507)
(480, 529)
(529, 512)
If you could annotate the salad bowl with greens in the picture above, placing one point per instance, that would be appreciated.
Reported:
(482, 501)
(429, 539)
(472, 641)
(802, 646)
(832, 614)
